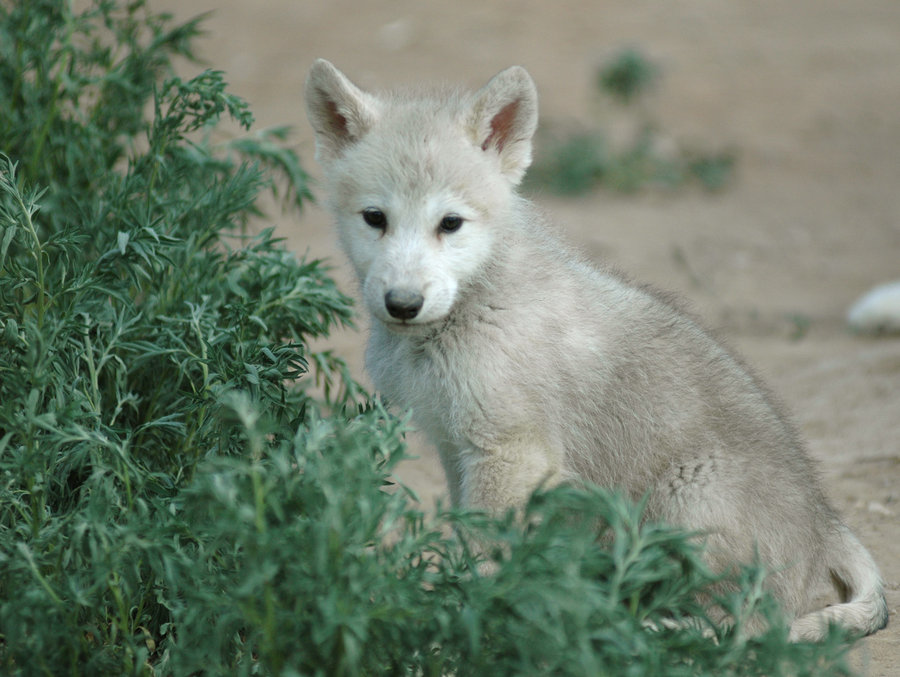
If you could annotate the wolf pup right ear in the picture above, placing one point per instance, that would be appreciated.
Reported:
(340, 112)
(504, 118)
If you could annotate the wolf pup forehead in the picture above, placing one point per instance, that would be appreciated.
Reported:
(526, 365)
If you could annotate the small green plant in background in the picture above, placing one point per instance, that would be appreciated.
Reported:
(627, 76)
(173, 501)
(576, 162)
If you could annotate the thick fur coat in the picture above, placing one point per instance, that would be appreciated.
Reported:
(527, 365)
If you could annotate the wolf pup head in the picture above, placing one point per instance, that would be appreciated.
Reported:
(421, 184)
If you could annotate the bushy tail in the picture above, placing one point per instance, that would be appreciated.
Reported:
(863, 608)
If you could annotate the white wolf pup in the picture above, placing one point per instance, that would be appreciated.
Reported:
(525, 364)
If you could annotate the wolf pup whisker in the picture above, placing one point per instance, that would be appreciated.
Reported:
(525, 364)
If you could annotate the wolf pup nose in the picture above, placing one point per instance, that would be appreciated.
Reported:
(404, 305)
(525, 364)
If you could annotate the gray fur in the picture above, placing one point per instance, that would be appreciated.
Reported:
(529, 365)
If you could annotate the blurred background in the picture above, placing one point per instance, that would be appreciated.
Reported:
(805, 95)
(795, 106)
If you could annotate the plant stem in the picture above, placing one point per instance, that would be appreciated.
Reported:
(38, 254)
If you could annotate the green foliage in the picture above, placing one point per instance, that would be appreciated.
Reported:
(590, 588)
(574, 163)
(628, 75)
(171, 503)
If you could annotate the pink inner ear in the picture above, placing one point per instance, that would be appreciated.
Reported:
(338, 121)
(502, 126)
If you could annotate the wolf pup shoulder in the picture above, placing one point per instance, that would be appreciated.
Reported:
(526, 365)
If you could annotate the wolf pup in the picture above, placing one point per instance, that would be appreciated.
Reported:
(526, 365)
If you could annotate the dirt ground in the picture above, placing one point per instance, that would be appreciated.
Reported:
(806, 93)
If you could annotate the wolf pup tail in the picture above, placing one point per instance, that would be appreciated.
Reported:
(863, 608)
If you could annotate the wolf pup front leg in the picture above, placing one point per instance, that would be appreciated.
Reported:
(525, 364)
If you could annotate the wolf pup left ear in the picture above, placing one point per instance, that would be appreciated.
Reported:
(340, 112)
(504, 118)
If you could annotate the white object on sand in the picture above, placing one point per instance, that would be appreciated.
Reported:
(878, 311)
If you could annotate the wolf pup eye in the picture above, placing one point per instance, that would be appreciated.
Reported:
(375, 218)
(451, 223)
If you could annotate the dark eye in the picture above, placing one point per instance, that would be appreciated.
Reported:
(451, 223)
(375, 218)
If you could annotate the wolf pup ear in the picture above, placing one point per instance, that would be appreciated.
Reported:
(340, 113)
(504, 118)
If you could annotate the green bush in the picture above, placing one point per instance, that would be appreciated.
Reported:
(627, 75)
(173, 501)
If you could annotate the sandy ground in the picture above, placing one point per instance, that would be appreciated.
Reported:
(806, 92)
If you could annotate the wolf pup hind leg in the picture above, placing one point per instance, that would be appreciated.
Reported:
(526, 364)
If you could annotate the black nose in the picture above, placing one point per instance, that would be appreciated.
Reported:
(404, 305)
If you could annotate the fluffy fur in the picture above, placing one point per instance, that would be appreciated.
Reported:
(525, 364)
